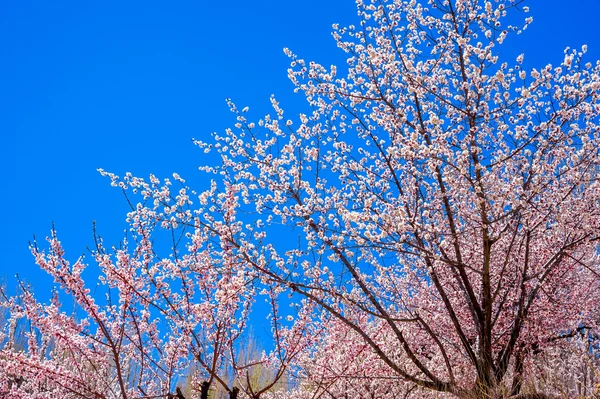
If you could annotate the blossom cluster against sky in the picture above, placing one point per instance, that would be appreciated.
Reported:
(124, 86)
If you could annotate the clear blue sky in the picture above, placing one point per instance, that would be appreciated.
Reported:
(125, 85)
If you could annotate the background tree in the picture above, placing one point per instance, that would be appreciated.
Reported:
(249, 369)
(160, 316)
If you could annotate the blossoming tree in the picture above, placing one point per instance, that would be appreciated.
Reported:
(440, 204)
(162, 319)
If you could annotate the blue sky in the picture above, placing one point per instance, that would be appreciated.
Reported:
(125, 85)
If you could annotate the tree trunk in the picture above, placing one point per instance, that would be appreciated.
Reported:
(204, 389)
(234, 393)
